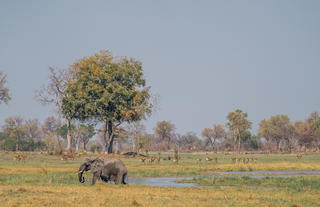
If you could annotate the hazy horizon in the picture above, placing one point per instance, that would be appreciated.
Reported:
(204, 59)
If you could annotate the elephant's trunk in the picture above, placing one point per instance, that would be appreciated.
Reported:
(80, 172)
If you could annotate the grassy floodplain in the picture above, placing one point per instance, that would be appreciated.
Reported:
(44, 180)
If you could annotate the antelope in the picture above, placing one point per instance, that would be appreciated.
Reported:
(234, 159)
(299, 156)
(198, 159)
(208, 159)
(70, 157)
(17, 158)
(150, 159)
(64, 157)
(23, 157)
(158, 159)
(142, 159)
(175, 160)
(216, 159)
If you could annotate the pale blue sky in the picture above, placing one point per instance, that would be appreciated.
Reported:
(204, 58)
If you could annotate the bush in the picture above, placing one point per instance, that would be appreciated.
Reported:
(26, 145)
(58, 149)
(95, 147)
(8, 144)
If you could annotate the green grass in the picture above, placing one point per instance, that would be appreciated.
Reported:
(43, 180)
(188, 166)
(291, 183)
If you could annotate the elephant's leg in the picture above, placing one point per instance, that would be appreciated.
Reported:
(118, 180)
(123, 180)
(105, 179)
(95, 178)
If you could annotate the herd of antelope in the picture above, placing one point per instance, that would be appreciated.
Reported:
(244, 160)
(174, 159)
(67, 157)
(158, 159)
(20, 157)
(150, 160)
(209, 159)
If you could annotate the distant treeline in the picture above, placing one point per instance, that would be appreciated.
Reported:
(275, 134)
(111, 91)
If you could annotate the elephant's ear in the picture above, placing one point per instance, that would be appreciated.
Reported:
(96, 164)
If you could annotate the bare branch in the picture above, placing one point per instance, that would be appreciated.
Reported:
(54, 91)
(4, 91)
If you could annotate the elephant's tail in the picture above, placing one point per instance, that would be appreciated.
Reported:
(124, 178)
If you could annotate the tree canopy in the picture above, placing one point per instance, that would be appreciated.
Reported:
(238, 125)
(107, 89)
(276, 129)
(212, 134)
(164, 132)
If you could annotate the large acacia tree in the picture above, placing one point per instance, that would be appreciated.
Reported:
(109, 90)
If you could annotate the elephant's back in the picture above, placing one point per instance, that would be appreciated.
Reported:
(113, 160)
(117, 163)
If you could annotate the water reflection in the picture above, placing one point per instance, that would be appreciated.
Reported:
(262, 174)
(173, 181)
(162, 181)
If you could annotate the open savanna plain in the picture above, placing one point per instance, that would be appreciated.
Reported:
(46, 180)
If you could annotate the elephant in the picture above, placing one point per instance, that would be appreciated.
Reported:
(106, 170)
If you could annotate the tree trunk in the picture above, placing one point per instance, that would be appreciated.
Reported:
(108, 133)
(105, 129)
(83, 146)
(214, 145)
(69, 135)
(278, 145)
(77, 146)
(239, 144)
(234, 142)
(211, 142)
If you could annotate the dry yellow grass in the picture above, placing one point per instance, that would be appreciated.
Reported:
(47, 181)
(24, 169)
(135, 195)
